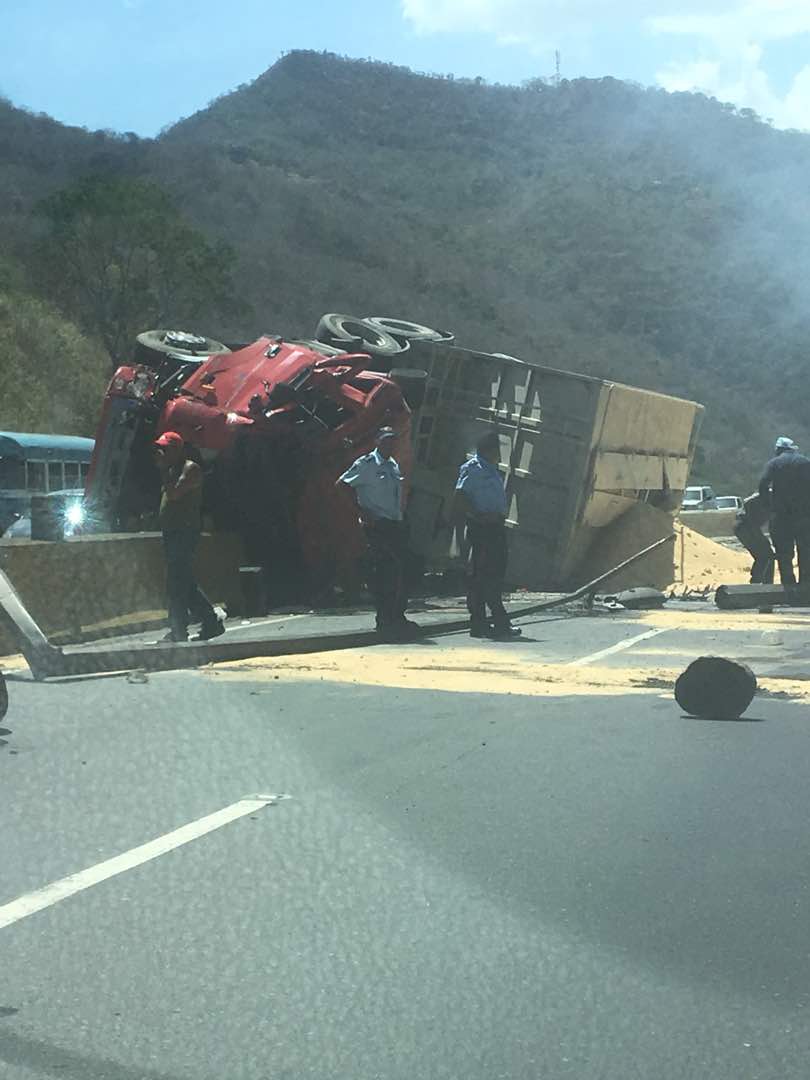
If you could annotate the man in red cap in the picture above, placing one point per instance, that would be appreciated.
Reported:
(181, 524)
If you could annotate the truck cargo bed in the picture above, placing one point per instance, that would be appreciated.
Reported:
(577, 452)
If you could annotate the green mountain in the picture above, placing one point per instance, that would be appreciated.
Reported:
(647, 237)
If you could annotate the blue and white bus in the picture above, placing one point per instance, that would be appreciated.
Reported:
(32, 464)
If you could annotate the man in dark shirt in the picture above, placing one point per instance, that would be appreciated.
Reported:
(748, 530)
(786, 483)
(181, 523)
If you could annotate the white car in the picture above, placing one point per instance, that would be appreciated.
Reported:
(699, 498)
(71, 508)
(729, 502)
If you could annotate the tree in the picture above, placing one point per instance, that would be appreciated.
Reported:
(118, 258)
(53, 376)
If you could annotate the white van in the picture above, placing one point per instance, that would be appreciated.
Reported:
(699, 498)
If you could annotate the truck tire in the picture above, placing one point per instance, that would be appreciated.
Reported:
(356, 335)
(409, 331)
(179, 342)
(333, 326)
(3, 696)
(413, 384)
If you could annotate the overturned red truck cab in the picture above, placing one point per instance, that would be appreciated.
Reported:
(274, 424)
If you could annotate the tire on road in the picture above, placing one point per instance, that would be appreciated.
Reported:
(179, 342)
(350, 334)
(409, 331)
(3, 696)
(413, 384)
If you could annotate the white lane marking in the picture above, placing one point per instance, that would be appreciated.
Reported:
(628, 643)
(263, 622)
(247, 625)
(30, 903)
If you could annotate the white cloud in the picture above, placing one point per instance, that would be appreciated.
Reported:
(726, 39)
(759, 20)
(533, 21)
(731, 46)
(742, 81)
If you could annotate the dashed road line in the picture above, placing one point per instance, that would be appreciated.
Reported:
(250, 624)
(628, 643)
(48, 895)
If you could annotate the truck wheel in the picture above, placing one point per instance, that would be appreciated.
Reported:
(161, 342)
(3, 696)
(413, 384)
(333, 328)
(356, 335)
(409, 331)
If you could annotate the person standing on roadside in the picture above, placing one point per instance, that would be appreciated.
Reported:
(786, 484)
(480, 497)
(376, 481)
(181, 524)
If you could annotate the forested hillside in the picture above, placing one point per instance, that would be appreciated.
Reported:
(651, 238)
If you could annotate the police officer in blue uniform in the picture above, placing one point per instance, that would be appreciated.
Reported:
(480, 495)
(376, 481)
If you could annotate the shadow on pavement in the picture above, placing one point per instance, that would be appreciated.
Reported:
(589, 811)
(47, 1059)
(726, 719)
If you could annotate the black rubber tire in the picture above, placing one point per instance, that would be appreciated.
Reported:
(356, 335)
(3, 696)
(331, 327)
(413, 384)
(409, 331)
(154, 341)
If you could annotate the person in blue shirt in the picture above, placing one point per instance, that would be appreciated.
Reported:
(481, 497)
(785, 484)
(377, 482)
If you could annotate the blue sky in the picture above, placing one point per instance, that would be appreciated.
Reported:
(138, 65)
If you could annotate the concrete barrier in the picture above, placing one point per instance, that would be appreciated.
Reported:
(709, 522)
(83, 583)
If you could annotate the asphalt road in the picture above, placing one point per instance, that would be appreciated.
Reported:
(466, 885)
